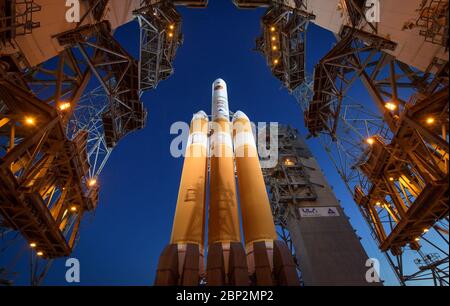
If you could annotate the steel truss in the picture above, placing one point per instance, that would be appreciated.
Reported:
(433, 21)
(117, 73)
(55, 141)
(16, 19)
(160, 37)
(45, 190)
(283, 41)
(288, 183)
(392, 155)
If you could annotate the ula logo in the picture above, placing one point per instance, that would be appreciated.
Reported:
(73, 13)
(373, 8)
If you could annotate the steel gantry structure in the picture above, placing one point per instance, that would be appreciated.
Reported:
(392, 155)
(63, 110)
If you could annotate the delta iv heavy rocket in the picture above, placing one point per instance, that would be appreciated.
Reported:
(264, 261)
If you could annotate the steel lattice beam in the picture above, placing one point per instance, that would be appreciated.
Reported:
(394, 202)
(283, 42)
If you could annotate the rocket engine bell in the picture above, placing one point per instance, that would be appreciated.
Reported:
(264, 261)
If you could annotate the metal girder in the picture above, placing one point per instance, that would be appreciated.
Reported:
(160, 37)
(191, 3)
(283, 42)
(87, 117)
(393, 154)
(356, 13)
(288, 184)
(251, 4)
(42, 188)
(336, 73)
(433, 21)
(16, 19)
(117, 73)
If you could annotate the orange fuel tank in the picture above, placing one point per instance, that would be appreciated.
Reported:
(223, 222)
(257, 220)
(189, 220)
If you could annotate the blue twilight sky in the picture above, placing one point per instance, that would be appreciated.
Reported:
(121, 243)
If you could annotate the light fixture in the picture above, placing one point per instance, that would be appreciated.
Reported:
(391, 179)
(73, 209)
(430, 120)
(33, 245)
(417, 239)
(40, 253)
(391, 106)
(30, 120)
(274, 38)
(378, 204)
(171, 27)
(64, 106)
(426, 230)
(274, 48)
(92, 182)
(370, 141)
(272, 29)
(170, 34)
(275, 61)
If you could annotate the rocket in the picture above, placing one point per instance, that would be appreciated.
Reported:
(226, 256)
(231, 149)
(269, 260)
(181, 262)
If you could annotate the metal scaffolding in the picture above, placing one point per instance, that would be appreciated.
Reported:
(59, 126)
(393, 158)
(54, 140)
(433, 21)
(16, 19)
(160, 37)
(392, 154)
(288, 183)
(283, 41)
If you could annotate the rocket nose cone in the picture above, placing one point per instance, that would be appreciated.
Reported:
(200, 115)
(240, 115)
(219, 84)
(219, 81)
